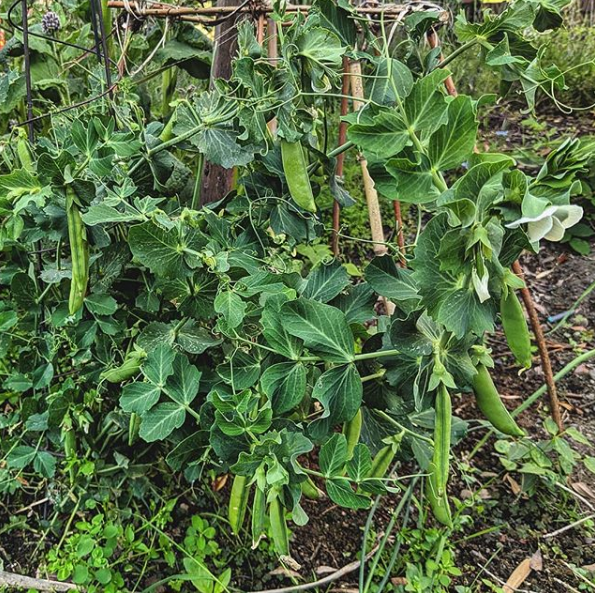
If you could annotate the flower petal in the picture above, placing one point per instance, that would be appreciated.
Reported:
(539, 229)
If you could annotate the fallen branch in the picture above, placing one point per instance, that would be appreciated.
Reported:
(348, 568)
(568, 527)
(9, 579)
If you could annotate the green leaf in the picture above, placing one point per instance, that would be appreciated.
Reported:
(45, 464)
(341, 493)
(161, 250)
(323, 328)
(241, 370)
(159, 422)
(392, 80)
(285, 385)
(101, 304)
(232, 307)
(452, 143)
(426, 107)
(389, 281)
(274, 330)
(359, 466)
(103, 213)
(333, 455)
(19, 183)
(12, 90)
(191, 337)
(411, 182)
(357, 304)
(590, 463)
(21, 456)
(339, 390)
(158, 365)
(384, 138)
(325, 282)
(322, 53)
(139, 397)
(182, 385)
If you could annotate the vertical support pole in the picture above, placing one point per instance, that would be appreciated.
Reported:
(272, 52)
(104, 50)
(400, 235)
(27, 66)
(341, 158)
(544, 355)
(376, 228)
(216, 180)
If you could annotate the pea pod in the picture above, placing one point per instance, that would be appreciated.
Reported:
(310, 490)
(382, 461)
(442, 428)
(279, 527)
(79, 253)
(258, 516)
(238, 503)
(24, 154)
(439, 504)
(490, 404)
(133, 428)
(296, 174)
(352, 431)
(69, 441)
(515, 328)
(129, 367)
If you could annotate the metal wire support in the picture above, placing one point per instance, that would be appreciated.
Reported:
(102, 33)
(27, 66)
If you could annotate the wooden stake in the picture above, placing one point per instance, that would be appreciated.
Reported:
(272, 54)
(341, 158)
(376, 228)
(448, 83)
(400, 235)
(546, 363)
(216, 180)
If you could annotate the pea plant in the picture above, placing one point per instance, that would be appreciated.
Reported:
(133, 314)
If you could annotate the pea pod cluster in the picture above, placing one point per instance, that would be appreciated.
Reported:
(79, 253)
(515, 328)
(296, 174)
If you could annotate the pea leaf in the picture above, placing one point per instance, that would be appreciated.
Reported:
(323, 328)
(285, 385)
(452, 143)
(359, 466)
(182, 385)
(389, 281)
(159, 422)
(333, 455)
(159, 364)
(325, 282)
(139, 397)
(340, 492)
(339, 390)
(274, 330)
(232, 307)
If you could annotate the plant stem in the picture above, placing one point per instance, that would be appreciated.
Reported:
(414, 434)
(456, 53)
(372, 355)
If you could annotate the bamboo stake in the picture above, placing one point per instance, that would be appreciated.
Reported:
(400, 235)
(375, 217)
(341, 158)
(9, 579)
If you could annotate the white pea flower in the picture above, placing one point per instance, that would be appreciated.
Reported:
(551, 223)
(480, 284)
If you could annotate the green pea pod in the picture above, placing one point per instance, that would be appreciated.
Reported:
(24, 154)
(490, 404)
(258, 517)
(442, 428)
(69, 441)
(310, 490)
(382, 462)
(133, 428)
(439, 504)
(79, 253)
(129, 367)
(515, 328)
(238, 503)
(279, 527)
(296, 174)
(352, 431)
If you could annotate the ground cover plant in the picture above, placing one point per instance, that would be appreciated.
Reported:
(152, 345)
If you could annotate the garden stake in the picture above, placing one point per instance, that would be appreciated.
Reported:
(400, 236)
(27, 65)
(434, 42)
(380, 248)
(341, 158)
(102, 34)
(272, 55)
(527, 300)
(543, 352)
